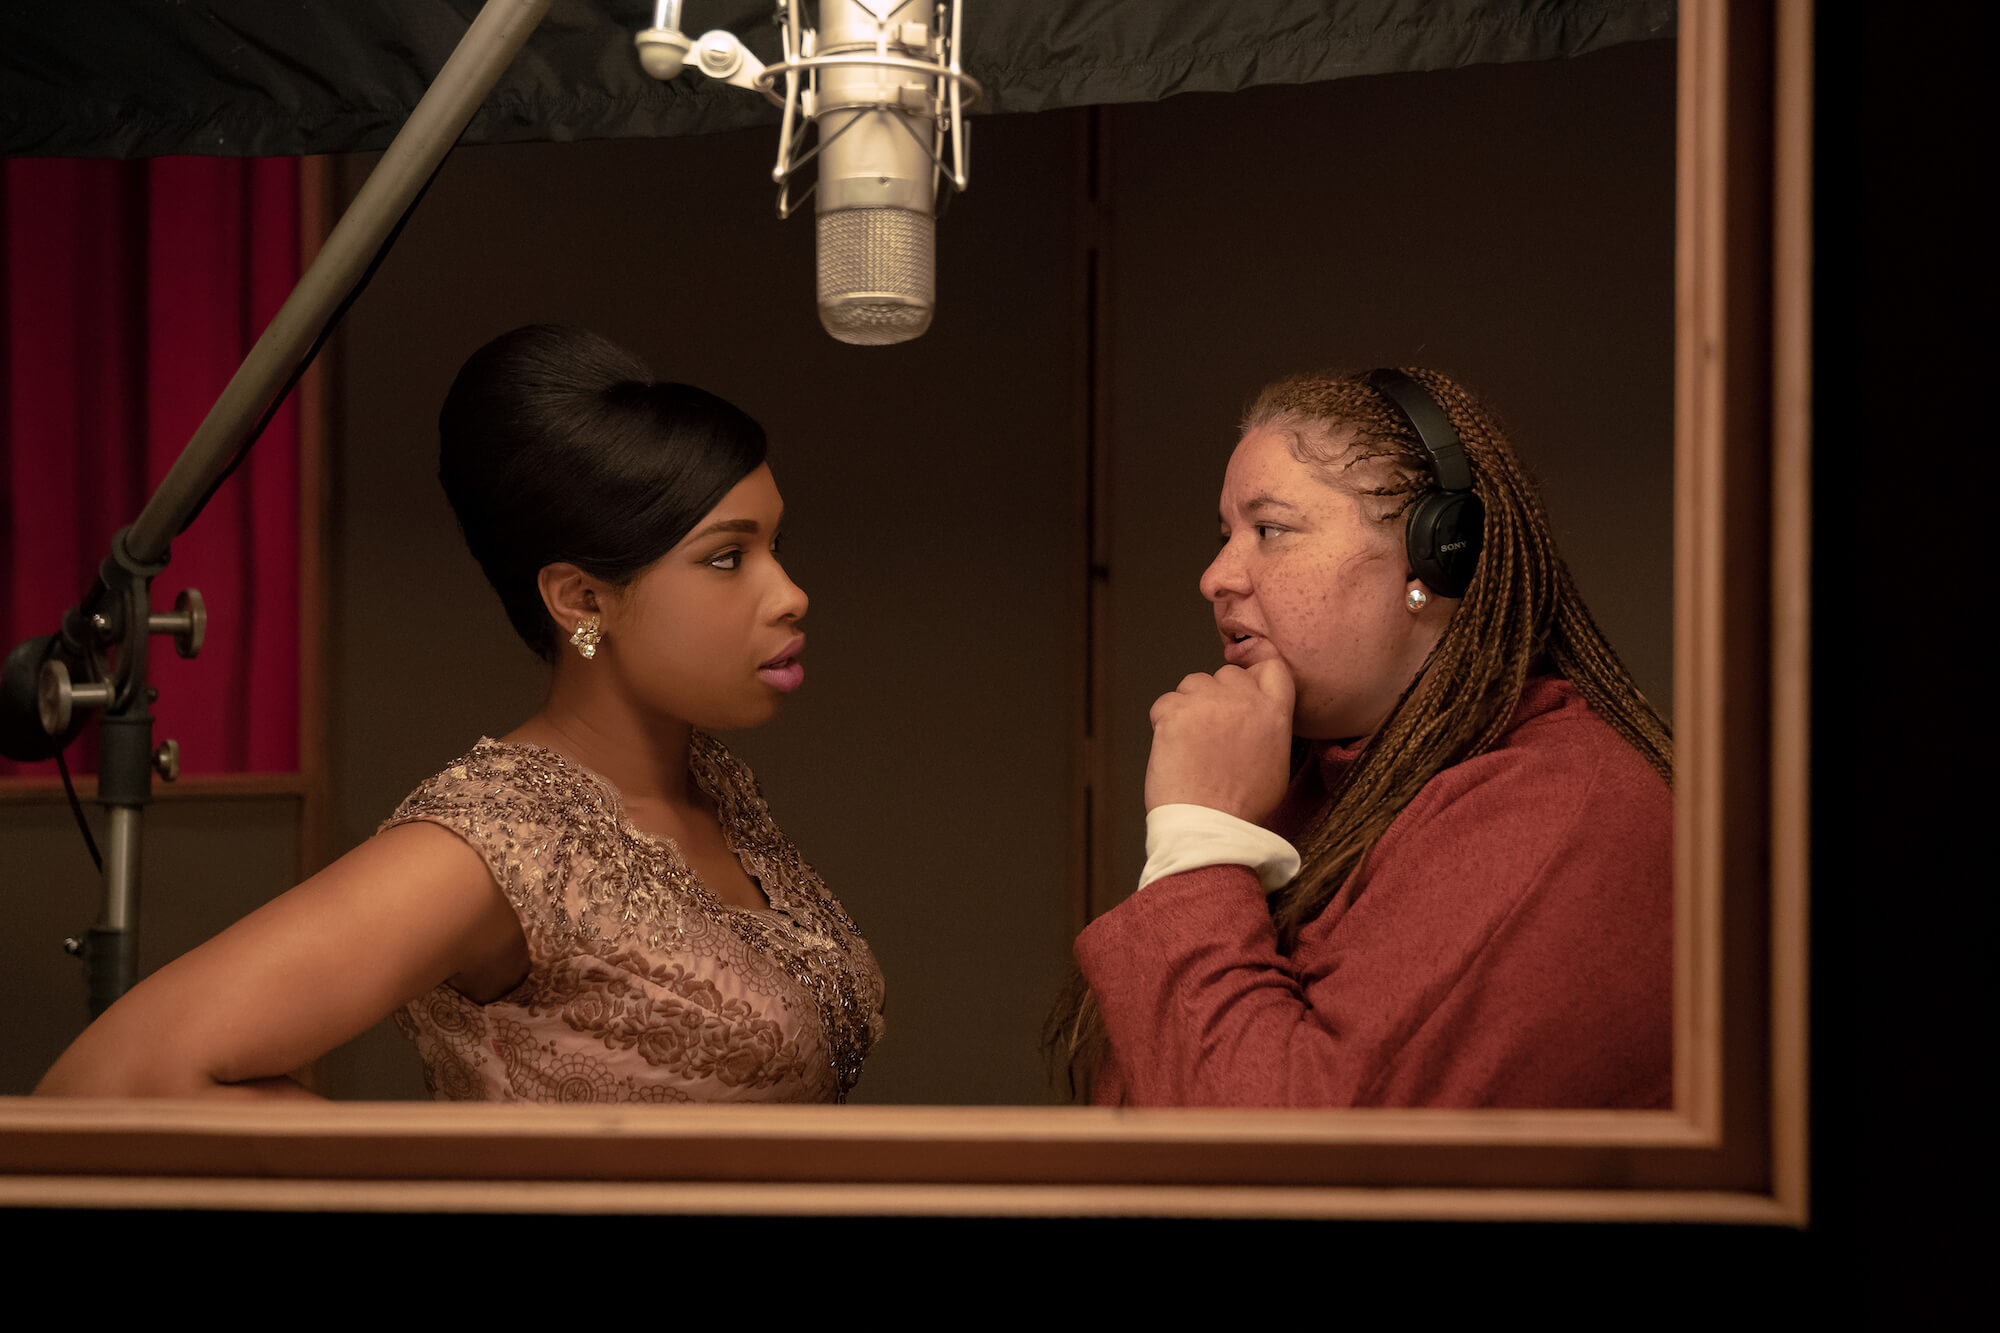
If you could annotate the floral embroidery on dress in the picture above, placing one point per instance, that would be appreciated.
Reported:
(681, 1025)
(642, 986)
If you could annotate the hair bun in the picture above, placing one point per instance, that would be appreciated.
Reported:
(557, 445)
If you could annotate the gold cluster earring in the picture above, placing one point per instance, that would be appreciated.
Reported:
(587, 636)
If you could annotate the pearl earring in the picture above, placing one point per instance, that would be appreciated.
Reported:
(587, 636)
(1416, 599)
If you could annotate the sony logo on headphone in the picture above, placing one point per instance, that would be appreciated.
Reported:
(1451, 546)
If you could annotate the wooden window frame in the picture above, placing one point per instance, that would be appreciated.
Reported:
(1732, 1150)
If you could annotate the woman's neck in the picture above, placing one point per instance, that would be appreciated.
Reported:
(643, 755)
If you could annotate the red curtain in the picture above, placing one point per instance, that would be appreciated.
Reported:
(131, 291)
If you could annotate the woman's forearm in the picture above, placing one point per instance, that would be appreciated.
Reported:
(73, 1081)
(109, 1061)
(263, 1089)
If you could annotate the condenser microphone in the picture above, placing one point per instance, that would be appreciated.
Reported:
(877, 190)
(879, 85)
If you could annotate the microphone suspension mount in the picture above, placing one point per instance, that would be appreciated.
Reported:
(916, 64)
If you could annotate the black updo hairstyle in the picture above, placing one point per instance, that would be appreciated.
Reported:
(558, 445)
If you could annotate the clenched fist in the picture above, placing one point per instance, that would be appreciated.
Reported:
(1224, 741)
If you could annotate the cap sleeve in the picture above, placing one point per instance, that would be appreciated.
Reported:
(510, 808)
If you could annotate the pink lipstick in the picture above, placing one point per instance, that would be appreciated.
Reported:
(785, 672)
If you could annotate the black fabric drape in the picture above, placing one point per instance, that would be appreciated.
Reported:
(145, 78)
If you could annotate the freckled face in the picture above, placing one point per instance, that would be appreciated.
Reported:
(1307, 576)
(708, 633)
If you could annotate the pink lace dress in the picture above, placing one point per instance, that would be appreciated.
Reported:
(642, 986)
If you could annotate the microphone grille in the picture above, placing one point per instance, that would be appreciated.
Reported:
(877, 274)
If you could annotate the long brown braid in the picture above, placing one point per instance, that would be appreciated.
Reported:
(1521, 613)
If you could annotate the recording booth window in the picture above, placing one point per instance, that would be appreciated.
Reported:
(1735, 1156)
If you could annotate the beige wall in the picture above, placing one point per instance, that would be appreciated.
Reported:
(1512, 224)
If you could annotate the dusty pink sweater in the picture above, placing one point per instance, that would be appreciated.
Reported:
(1509, 942)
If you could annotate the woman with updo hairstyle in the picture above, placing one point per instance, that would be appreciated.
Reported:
(1412, 844)
(597, 906)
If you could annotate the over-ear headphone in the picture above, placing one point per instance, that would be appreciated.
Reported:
(1446, 526)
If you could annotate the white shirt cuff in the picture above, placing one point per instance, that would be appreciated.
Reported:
(1188, 837)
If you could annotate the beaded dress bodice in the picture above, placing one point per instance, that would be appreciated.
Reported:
(642, 985)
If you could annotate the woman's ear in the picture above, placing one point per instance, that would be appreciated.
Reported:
(570, 595)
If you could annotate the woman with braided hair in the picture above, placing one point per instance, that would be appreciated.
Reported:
(1460, 891)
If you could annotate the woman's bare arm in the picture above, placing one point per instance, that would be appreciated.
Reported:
(407, 909)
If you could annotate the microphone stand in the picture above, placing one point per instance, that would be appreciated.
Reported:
(55, 676)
